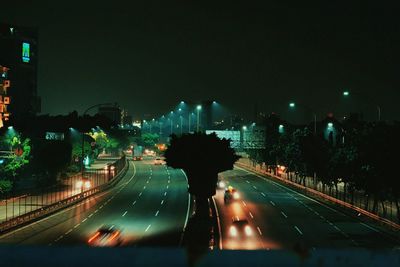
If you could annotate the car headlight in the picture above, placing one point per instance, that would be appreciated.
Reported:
(236, 195)
(87, 184)
(79, 184)
(233, 231)
(247, 230)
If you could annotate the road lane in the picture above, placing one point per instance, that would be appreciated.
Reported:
(132, 205)
(287, 219)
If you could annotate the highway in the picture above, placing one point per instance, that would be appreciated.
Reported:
(149, 205)
(284, 219)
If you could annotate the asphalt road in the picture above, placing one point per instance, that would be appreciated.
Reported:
(284, 219)
(149, 205)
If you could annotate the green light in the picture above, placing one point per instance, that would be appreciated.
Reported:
(26, 52)
(292, 104)
(346, 93)
(244, 128)
(330, 125)
(198, 107)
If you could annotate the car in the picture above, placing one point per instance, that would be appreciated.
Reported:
(106, 236)
(240, 228)
(83, 184)
(158, 161)
(231, 194)
(137, 158)
(221, 184)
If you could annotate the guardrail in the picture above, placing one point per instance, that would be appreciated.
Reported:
(120, 168)
(324, 196)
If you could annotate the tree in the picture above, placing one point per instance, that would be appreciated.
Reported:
(202, 157)
(149, 139)
(14, 164)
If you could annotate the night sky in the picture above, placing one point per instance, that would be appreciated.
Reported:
(149, 55)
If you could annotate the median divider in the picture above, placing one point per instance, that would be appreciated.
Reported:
(322, 195)
(42, 212)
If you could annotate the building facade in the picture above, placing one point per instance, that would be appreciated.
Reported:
(19, 53)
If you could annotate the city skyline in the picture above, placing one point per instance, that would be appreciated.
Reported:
(143, 56)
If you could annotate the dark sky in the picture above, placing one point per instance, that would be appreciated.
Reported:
(149, 55)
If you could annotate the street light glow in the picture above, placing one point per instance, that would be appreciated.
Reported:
(198, 107)
(346, 93)
(244, 128)
(292, 104)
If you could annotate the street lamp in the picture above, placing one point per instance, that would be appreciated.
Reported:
(293, 105)
(190, 119)
(181, 122)
(347, 94)
(198, 108)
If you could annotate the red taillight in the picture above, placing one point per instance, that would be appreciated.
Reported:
(114, 235)
(93, 237)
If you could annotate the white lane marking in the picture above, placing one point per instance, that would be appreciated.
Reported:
(284, 215)
(77, 225)
(123, 215)
(254, 187)
(169, 181)
(96, 211)
(244, 203)
(247, 181)
(165, 193)
(134, 202)
(72, 207)
(69, 231)
(218, 222)
(84, 220)
(157, 213)
(147, 182)
(167, 186)
(262, 194)
(251, 215)
(259, 230)
(148, 227)
(144, 187)
(272, 203)
(162, 201)
(101, 206)
(373, 229)
(140, 194)
(298, 230)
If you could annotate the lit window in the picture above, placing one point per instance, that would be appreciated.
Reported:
(25, 52)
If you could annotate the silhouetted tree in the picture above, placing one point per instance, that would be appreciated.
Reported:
(202, 156)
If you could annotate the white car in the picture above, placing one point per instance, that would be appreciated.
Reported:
(158, 161)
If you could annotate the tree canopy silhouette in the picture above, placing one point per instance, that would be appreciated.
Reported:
(202, 156)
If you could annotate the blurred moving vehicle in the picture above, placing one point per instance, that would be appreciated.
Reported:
(221, 184)
(137, 153)
(158, 161)
(230, 194)
(106, 236)
(240, 228)
(83, 184)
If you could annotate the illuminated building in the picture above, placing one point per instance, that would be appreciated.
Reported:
(4, 98)
(18, 51)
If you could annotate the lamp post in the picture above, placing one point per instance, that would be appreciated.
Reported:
(292, 105)
(181, 123)
(378, 107)
(198, 108)
(83, 134)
